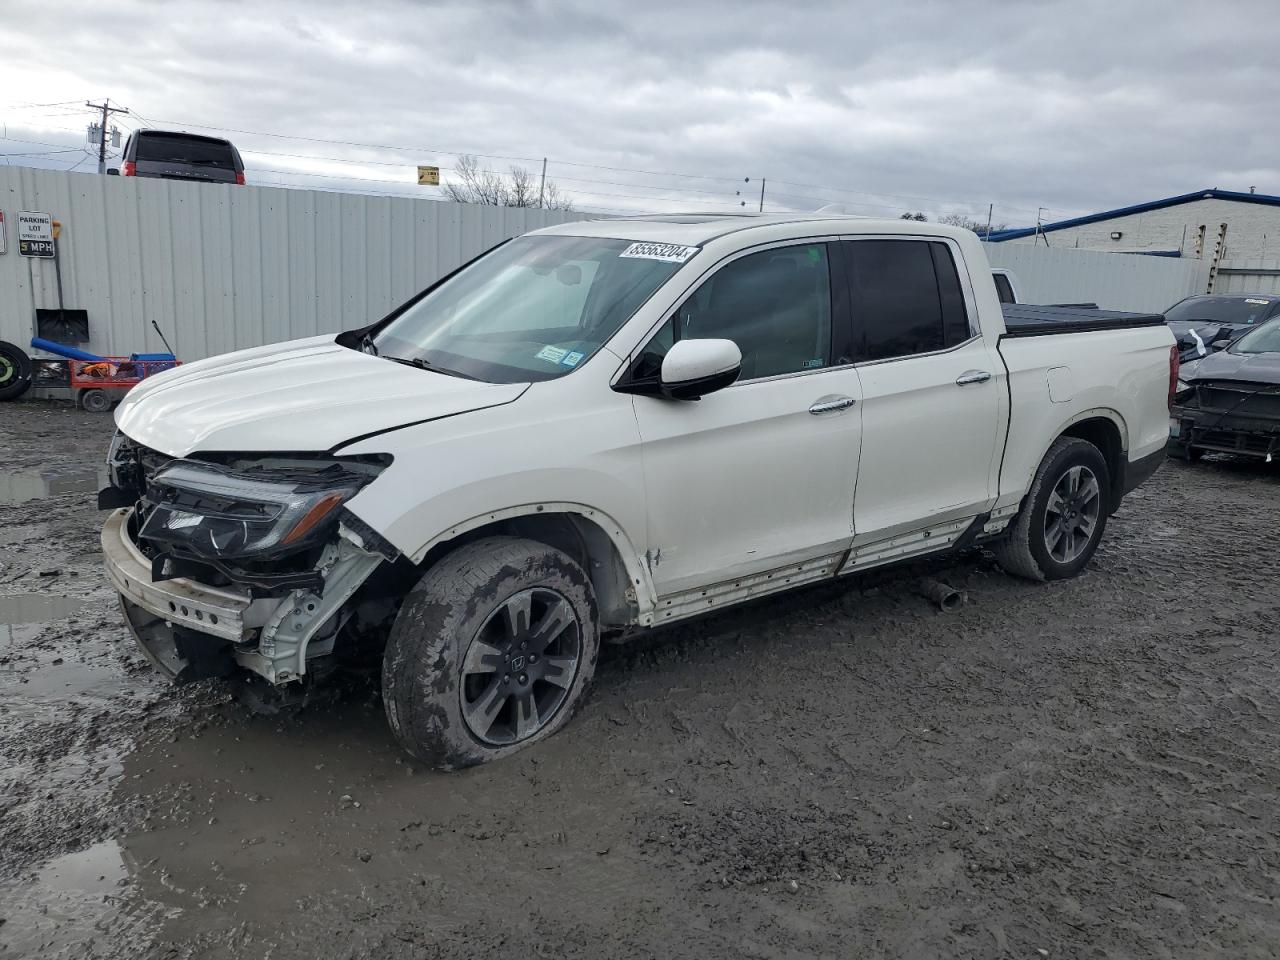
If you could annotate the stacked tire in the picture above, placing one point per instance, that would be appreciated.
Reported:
(15, 371)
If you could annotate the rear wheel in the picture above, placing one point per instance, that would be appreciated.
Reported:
(15, 371)
(1064, 515)
(491, 651)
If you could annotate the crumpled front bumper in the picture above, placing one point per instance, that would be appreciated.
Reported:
(218, 611)
(191, 630)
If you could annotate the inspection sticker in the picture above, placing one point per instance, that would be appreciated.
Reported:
(572, 359)
(668, 252)
(554, 354)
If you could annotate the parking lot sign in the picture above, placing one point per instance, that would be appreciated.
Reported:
(35, 234)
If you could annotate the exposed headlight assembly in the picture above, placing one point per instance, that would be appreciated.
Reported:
(216, 512)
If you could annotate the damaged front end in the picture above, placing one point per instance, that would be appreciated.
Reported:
(225, 561)
(1227, 416)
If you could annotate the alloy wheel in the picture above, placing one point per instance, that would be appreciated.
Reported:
(1071, 519)
(520, 666)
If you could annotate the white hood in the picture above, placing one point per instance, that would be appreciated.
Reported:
(304, 395)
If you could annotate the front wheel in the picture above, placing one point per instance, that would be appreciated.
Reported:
(1064, 515)
(491, 652)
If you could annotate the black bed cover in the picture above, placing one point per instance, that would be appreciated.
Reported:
(1029, 320)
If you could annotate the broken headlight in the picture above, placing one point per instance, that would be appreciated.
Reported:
(214, 512)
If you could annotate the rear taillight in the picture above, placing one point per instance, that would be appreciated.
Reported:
(128, 169)
(240, 178)
(1173, 373)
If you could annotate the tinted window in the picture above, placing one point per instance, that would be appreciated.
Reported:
(775, 305)
(176, 148)
(1004, 289)
(906, 297)
(1237, 311)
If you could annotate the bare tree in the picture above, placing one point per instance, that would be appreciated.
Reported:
(519, 188)
(977, 226)
(914, 216)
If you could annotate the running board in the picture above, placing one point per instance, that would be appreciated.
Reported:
(681, 605)
(915, 543)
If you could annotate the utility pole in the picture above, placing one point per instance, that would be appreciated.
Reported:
(542, 187)
(762, 194)
(990, 209)
(107, 109)
(1039, 221)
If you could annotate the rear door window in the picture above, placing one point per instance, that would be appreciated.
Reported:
(173, 148)
(906, 298)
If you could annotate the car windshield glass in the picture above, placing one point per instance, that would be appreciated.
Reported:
(1266, 339)
(167, 148)
(534, 309)
(1236, 311)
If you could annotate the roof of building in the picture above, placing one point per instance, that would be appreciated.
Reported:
(1214, 194)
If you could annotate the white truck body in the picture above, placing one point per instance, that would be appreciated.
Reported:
(685, 506)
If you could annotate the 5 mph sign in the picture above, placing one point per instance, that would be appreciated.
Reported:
(35, 234)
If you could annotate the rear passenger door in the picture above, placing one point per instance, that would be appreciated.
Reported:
(933, 396)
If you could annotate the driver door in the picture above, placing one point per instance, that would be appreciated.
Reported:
(756, 480)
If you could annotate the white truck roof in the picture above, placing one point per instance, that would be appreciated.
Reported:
(696, 229)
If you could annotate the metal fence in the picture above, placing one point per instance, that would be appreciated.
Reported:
(1114, 281)
(1248, 276)
(220, 268)
(223, 267)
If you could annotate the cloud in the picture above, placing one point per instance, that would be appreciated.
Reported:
(938, 106)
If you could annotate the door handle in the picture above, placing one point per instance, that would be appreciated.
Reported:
(972, 376)
(832, 403)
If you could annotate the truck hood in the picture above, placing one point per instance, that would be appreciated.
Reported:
(304, 395)
(1244, 367)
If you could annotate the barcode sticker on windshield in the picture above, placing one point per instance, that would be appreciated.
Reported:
(667, 252)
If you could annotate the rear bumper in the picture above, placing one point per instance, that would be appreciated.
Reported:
(217, 611)
(1138, 472)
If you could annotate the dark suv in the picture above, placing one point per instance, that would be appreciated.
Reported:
(181, 156)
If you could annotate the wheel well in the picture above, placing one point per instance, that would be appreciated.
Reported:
(578, 536)
(1104, 435)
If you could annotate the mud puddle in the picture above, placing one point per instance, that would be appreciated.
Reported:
(20, 486)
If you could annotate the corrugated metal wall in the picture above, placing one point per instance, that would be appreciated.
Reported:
(1114, 281)
(1247, 276)
(221, 268)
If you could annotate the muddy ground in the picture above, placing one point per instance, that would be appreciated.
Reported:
(1088, 769)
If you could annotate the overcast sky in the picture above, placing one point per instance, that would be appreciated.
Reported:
(885, 107)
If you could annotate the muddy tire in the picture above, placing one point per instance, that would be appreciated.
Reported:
(15, 371)
(1063, 517)
(491, 651)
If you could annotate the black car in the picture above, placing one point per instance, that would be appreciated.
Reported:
(180, 156)
(1230, 401)
(1197, 322)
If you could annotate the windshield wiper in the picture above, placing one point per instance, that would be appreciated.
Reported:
(424, 365)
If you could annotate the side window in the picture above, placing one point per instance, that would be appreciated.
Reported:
(906, 297)
(775, 305)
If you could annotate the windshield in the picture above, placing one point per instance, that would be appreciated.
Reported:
(1231, 311)
(534, 309)
(1266, 339)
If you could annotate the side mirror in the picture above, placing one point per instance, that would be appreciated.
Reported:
(1220, 344)
(694, 368)
(113, 171)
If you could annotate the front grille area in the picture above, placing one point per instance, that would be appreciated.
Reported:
(1249, 400)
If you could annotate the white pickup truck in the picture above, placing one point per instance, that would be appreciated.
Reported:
(602, 427)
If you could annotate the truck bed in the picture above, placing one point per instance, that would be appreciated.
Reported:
(1029, 320)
